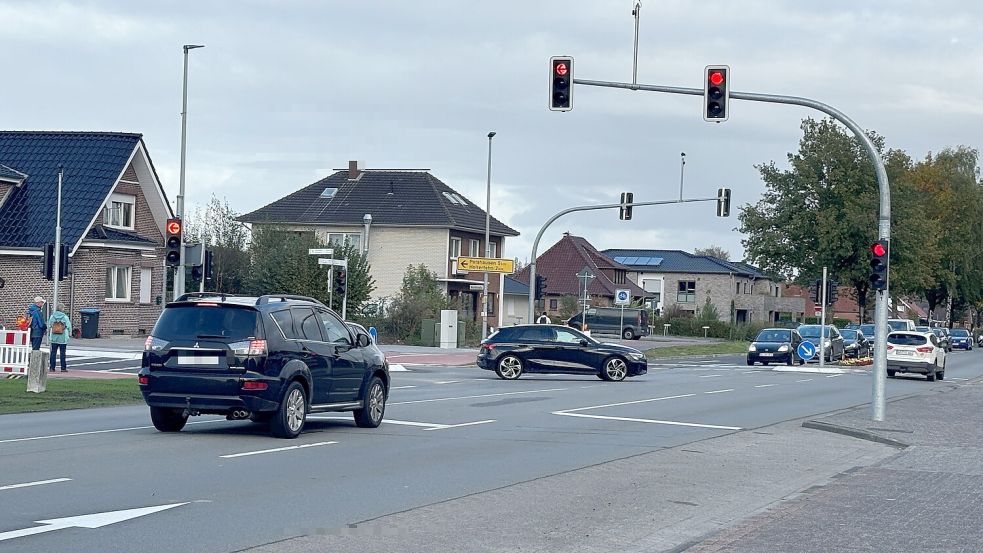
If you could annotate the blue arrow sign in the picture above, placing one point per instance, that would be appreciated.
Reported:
(806, 350)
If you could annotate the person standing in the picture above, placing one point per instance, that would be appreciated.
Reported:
(35, 317)
(544, 319)
(59, 328)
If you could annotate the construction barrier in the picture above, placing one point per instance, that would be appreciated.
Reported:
(15, 351)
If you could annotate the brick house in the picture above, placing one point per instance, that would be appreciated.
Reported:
(683, 281)
(415, 219)
(564, 260)
(113, 215)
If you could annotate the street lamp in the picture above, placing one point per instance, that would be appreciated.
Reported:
(179, 275)
(484, 288)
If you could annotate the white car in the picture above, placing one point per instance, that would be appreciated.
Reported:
(915, 352)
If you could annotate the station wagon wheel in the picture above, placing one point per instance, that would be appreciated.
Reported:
(374, 405)
(509, 367)
(615, 369)
(289, 419)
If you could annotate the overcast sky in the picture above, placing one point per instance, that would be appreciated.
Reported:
(286, 91)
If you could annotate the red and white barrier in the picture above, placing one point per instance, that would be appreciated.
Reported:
(15, 350)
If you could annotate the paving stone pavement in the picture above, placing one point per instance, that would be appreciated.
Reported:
(927, 497)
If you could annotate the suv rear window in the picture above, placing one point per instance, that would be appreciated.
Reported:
(191, 322)
(906, 339)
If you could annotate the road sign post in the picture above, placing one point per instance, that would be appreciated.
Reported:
(622, 298)
(822, 327)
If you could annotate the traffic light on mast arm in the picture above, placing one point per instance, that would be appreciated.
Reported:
(540, 287)
(716, 93)
(627, 198)
(723, 202)
(172, 242)
(561, 83)
(879, 257)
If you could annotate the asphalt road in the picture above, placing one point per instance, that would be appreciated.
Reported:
(449, 432)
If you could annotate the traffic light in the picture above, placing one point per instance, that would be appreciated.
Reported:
(172, 241)
(209, 265)
(817, 291)
(64, 263)
(723, 202)
(341, 282)
(48, 263)
(716, 93)
(832, 291)
(561, 83)
(540, 287)
(626, 198)
(196, 272)
(879, 254)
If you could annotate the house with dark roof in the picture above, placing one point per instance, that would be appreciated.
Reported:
(112, 221)
(684, 282)
(399, 217)
(570, 256)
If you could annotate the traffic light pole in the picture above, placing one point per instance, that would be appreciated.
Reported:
(822, 326)
(535, 244)
(56, 267)
(884, 212)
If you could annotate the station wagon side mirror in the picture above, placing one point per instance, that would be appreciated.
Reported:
(363, 340)
(584, 342)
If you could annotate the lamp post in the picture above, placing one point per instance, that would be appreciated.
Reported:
(484, 288)
(179, 275)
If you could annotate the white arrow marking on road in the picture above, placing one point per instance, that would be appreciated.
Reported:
(95, 520)
(38, 483)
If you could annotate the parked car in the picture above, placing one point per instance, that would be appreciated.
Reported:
(944, 338)
(901, 324)
(833, 343)
(961, 339)
(775, 345)
(273, 358)
(557, 349)
(608, 320)
(856, 344)
(915, 352)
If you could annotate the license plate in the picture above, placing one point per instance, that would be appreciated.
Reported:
(908, 353)
(766, 355)
(197, 360)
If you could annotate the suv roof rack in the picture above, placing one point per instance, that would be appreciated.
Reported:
(198, 295)
(267, 298)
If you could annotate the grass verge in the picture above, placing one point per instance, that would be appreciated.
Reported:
(698, 349)
(68, 393)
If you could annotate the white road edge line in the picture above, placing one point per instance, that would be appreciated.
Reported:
(958, 378)
(624, 403)
(765, 385)
(447, 382)
(401, 387)
(446, 426)
(51, 436)
(833, 375)
(805, 380)
(649, 421)
(720, 391)
(275, 450)
(709, 375)
(38, 483)
(473, 397)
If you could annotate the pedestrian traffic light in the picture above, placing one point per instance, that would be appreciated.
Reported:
(540, 287)
(172, 242)
(64, 263)
(209, 265)
(879, 254)
(341, 282)
(723, 202)
(716, 93)
(561, 83)
(626, 199)
(832, 291)
(48, 262)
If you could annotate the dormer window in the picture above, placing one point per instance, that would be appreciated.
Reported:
(119, 212)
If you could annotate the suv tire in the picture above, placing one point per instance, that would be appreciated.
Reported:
(373, 405)
(167, 419)
(288, 421)
(628, 334)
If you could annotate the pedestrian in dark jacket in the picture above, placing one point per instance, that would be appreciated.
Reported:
(35, 314)
(59, 330)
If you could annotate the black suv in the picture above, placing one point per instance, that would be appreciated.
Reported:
(272, 359)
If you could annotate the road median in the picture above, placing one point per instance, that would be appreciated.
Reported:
(67, 393)
(717, 348)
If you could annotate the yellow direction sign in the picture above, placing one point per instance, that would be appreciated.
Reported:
(485, 265)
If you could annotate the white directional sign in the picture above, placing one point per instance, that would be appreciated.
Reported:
(321, 251)
(338, 262)
(622, 297)
(95, 520)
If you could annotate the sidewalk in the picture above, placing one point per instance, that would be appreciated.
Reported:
(924, 498)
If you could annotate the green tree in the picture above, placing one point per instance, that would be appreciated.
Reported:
(569, 306)
(709, 311)
(714, 251)
(219, 230)
(420, 297)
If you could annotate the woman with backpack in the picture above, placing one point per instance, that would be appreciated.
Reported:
(59, 329)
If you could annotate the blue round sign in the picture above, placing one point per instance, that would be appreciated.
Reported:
(374, 334)
(806, 350)
(622, 295)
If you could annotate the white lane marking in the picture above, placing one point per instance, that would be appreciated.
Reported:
(447, 382)
(52, 436)
(951, 378)
(833, 375)
(720, 391)
(94, 520)
(649, 421)
(401, 387)
(38, 483)
(765, 385)
(95, 354)
(70, 364)
(805, 380)
(625, 403)
(749, 372)
(473, 397)
(424, 425)
(396, 367)
(275, 450)
(709, 375)
(446, 426)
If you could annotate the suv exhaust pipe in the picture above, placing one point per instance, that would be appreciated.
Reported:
(238, 414)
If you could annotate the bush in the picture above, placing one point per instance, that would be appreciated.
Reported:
(689, 326)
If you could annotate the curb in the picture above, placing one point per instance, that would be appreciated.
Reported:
(853, 433)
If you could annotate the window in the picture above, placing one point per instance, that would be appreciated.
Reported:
(339, 239)
(553, 305)
(334, 330)
(474, 248)
(738, 291)
(493, 248)
(491, 303)
(309, 324)
(118, 283)
(686, 291)
(619, 277)
(455, 247)
(118, 212)
(567, 337)
(285, 322)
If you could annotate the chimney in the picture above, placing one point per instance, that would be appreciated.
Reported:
(355, 169)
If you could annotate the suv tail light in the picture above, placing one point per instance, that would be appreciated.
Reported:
(254, 385)
(249, 348)
(925, 349)
(155, 344)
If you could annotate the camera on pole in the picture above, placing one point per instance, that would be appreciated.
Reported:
(627, 198)
(561, 83)
(716, 93)
(723, 202)
(172, 241)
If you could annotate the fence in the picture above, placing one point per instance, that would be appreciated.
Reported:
(15, 351)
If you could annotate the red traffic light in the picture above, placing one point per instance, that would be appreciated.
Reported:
(173, 226)
(878, 249)
(716, 78)
(561, 69)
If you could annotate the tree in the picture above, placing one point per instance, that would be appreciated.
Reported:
(420, 297)
(359, 278)
(219, 230)
(709, 311)
(569, 306)
(713, 251)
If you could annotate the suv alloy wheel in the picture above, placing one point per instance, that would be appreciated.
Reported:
(288, 422)
(374, 405)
